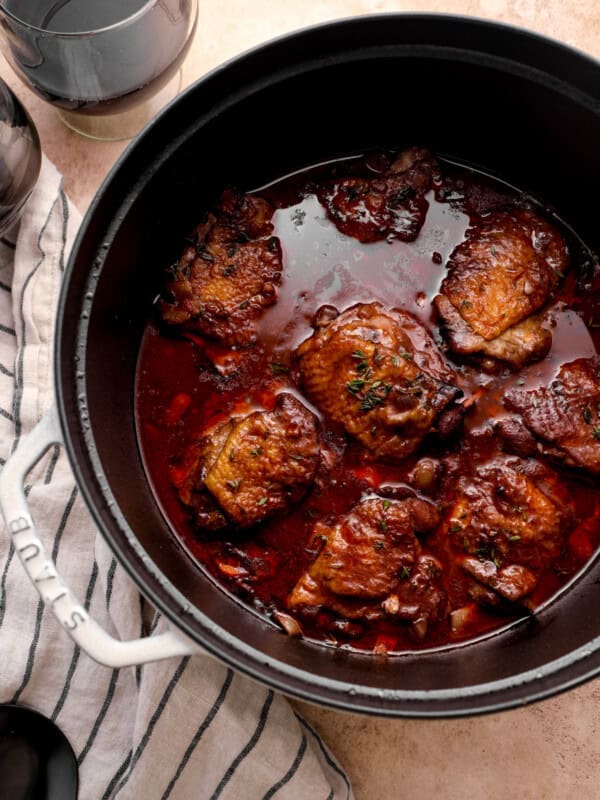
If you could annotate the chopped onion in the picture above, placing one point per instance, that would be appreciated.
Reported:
(460, 617)
(419, 628)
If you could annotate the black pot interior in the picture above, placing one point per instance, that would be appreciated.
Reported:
(518, 106)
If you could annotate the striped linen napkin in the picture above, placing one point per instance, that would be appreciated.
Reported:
(179, 729)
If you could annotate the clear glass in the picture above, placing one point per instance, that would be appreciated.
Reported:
(20, 158)
(107, 65)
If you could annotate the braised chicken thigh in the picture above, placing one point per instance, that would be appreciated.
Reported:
(363, 369)
(565, 415)
(504, 272)
(224, 281)
(508, 528)
(371, 564)
(254, 465)
(391, 204)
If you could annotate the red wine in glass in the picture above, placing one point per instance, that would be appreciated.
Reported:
(96, 56)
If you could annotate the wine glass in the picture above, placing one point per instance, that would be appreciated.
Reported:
(107, 65)
(20, 158)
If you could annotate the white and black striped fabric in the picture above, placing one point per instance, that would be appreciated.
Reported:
(178, 729)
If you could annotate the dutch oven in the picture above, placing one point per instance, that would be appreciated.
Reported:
(510, 102)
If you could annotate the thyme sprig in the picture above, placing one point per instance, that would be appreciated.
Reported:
(370, 393)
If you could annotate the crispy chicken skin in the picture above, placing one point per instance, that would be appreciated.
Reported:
(506, 270)
(391, 204)
(371, 564)
(508, 527)
(379, 374)
(566, 414)
(256, 465)
(527, 341)
(221, 286)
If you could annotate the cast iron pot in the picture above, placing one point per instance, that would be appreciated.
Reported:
(517, 105)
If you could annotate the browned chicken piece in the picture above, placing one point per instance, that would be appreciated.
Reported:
(418, 598)
(510, 583)
(255, 465)
(504, 270)
(502, 274)
(509, 528)
(566, 414)
(222, 285)
(392, 204)
(371, 564)
(521, 344)
(516, 437)
(379, 374)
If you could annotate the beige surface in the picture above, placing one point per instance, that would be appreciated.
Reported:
(549, 751)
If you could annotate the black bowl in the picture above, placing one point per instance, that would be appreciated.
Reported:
(36, 760)
(510, 102)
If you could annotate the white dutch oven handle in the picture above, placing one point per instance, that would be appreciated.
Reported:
(54, 592)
